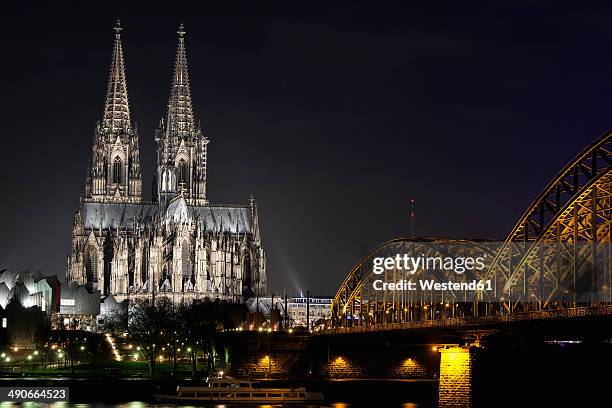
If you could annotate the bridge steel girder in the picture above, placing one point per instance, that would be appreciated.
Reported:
(349, 303)
(573, 208)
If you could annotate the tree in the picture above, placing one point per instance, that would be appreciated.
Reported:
(95, 345)
(147, 321)
(175, 332)
(67, 337)
(201, 320)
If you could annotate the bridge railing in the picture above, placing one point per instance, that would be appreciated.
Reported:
(601, 310)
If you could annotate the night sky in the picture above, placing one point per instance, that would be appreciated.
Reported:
(333, 115)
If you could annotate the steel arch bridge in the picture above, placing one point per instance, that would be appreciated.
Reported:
(556, 261)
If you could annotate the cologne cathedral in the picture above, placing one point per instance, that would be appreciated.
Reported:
(179, 244)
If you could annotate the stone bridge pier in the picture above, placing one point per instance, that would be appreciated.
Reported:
(455, 378)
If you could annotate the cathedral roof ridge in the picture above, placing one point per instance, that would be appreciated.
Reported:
(222, 205)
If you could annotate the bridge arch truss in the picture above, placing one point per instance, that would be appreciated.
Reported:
(557, 256)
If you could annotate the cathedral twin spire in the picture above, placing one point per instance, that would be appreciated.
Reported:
(114, 173)
(180, 119)
(181, 146)
(116, 108)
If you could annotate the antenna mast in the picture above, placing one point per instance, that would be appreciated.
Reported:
(412, 219)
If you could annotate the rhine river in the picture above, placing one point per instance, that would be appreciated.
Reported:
(568, 376)
(341, 394)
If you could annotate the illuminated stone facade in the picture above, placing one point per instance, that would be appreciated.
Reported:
(178, 245)
(455, 387)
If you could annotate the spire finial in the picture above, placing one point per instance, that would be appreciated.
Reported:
(117, 27)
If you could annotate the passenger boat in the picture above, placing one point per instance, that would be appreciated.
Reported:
(239, 391)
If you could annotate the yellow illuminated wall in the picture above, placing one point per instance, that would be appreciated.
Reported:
(342, 367)
(455, 388)
(409, 368)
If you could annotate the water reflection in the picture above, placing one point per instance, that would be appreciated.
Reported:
(140, 404)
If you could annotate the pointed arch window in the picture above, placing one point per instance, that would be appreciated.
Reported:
(91, 265)
(144, 269)
(117, 170)
(183, 169)
(186, 259)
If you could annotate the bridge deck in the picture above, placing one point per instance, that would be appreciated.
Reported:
(576, 312)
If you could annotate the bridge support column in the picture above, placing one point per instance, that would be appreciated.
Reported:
(455, 387)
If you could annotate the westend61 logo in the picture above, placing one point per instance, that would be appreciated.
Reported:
(409, 265)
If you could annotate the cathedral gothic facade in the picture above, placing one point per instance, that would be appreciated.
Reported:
(177, 245)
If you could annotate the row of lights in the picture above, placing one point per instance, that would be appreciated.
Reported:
(7, 358)
(259, 329)
(425, 307)
(112, 344)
